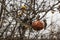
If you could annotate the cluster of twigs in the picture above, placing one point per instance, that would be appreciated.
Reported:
(31, 10)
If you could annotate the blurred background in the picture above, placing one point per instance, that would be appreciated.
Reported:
(19, 19)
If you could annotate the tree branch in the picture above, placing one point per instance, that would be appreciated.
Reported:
(49, 10)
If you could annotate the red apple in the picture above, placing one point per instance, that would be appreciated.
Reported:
(38, 25)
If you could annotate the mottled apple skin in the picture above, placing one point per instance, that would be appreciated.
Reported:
(38, 25)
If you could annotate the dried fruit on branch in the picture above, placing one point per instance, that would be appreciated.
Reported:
(38, 25)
